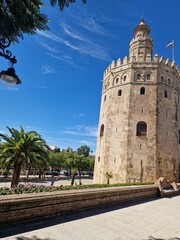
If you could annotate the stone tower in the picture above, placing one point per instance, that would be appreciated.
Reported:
(139, 123)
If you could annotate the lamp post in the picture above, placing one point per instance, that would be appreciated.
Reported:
(9, 75)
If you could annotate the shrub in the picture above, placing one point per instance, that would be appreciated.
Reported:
(33, 188)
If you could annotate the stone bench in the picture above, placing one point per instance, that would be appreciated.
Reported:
(167, 187)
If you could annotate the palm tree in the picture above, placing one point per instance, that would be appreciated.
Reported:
(22, 149)
(63, 3)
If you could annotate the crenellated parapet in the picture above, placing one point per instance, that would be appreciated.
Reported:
(164, 63)
(117, 64)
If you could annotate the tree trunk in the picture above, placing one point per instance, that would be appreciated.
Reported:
(44, 173)
(80, 182)
(16, 175)
(40, 173)
(72, 180)
(29, 169)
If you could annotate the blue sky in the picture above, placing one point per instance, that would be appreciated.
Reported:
(62, 69)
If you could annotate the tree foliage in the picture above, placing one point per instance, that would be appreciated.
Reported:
(56, 160)
(19, 17)
(63, 3)
(84, 150)
(22, 149)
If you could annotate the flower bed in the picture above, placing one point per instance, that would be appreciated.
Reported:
(35, 188)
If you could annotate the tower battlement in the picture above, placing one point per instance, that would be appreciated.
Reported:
(161, 61)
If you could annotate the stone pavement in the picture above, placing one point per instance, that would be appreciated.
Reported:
(158, 219)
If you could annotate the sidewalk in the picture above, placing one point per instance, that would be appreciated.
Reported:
(154, 220)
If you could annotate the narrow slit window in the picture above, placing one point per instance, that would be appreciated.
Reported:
(119, 92)
(165, 94)
(141, 129)
(102, 130)
(142, 90)
(138, 76)
(148, 77)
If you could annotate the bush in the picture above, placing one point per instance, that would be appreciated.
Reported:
(33, 188)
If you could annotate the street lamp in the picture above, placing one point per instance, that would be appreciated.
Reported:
(9, 76)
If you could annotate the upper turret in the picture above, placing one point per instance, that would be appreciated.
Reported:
(141, 44)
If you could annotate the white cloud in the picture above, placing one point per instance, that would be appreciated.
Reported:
(49, 48)
(93, 50)
(87, 142)
(81, 114)
(82, 130)
(69, 31)
(46, 69)
(92, 26)
(63, 58)
(49, 35)
(88, 22)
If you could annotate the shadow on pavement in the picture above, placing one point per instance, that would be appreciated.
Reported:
(32, 238)
(36, 238)
(28, 226)
(152, 238)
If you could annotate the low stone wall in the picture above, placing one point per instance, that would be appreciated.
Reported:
(18, 208)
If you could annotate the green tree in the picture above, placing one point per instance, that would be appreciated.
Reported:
(63, 3)
(108, 175)
(69, 161)
(22, 149)
(70, 164)
(56, 160)
(20, 17)
(84, 150)
(81, 163)
(91, 161)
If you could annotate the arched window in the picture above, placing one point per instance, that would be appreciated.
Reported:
(142, 90)
(102, 130)
(124, 78)
(141, 129)
(148, 77)
(165, 94)
(119, 92)
(169, 81)
(162, 79)
(117, 80)
(138, 76)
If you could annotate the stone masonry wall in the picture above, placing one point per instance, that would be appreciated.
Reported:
(16, 209)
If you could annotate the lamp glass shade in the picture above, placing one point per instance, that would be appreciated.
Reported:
(10, 76)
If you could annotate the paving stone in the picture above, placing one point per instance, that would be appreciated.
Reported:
(158, 219)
